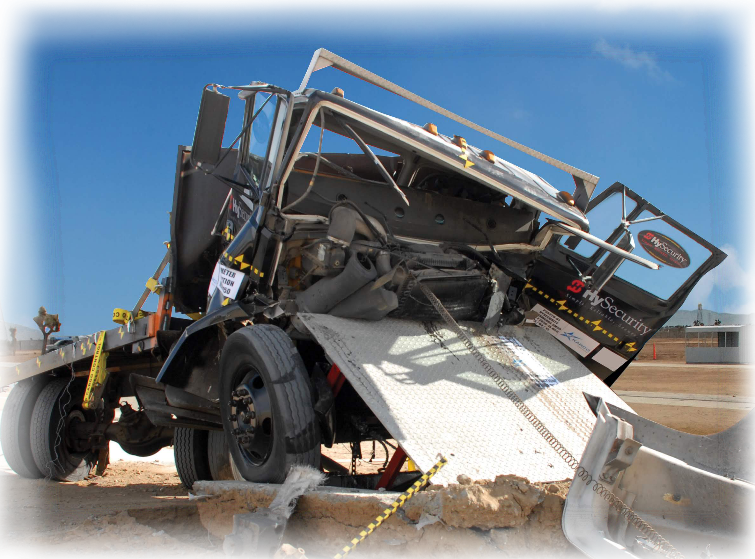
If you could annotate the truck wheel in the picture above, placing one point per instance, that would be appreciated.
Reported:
(57, 408)
(190, 453)
(266, 405)
(219, 456)
(16, 425)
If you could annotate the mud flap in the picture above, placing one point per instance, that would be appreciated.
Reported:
(692, 490)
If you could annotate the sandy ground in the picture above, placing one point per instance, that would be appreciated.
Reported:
(734, 381)
(140, 506)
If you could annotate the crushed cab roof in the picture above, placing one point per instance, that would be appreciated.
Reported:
(501, 175)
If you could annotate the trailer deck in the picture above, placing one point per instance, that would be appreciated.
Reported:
(119, 341)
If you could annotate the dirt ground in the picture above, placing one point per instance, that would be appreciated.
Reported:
(140, 507)
(664, 376)
(137, 509)
(669, 373)
(134, 510)
(698, 421)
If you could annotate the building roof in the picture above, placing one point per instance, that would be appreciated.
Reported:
(721, 328)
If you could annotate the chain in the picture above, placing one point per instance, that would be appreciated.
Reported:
(354, 455)
(658, 542)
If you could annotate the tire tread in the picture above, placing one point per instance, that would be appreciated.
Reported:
(291, 385)
(16, 425)
(69, 467)
(190, 455)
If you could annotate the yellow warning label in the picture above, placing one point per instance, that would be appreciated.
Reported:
(97, 375)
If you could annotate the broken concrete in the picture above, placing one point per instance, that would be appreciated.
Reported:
(506, 517)
(261, 532)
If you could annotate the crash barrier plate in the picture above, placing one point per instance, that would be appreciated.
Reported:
(432, 396)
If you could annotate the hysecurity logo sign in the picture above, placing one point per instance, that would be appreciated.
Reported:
(663, 249)
(607, 304)
(240, 211)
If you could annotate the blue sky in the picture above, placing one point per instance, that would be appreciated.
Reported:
(103, 117)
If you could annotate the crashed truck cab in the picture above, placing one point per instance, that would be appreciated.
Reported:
(353, 234)
(354, 277)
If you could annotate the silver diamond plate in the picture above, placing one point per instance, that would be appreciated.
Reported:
(430, 394)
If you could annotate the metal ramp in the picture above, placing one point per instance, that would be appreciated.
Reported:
(430, 394)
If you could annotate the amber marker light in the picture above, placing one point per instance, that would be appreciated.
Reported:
(338, 92)
(566, 197)
(430, 127)
(461, 142)
(488, 155)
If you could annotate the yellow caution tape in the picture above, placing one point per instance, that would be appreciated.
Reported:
(97, 375)
(122, 316)
(403, 498)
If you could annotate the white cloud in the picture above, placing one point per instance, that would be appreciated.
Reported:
(730, 275)
(632, 59)
(685, 8)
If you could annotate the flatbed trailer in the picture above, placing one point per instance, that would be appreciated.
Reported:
(128, 347)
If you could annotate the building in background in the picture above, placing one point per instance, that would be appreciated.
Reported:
(717, 344)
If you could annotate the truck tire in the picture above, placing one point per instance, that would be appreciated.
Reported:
(266, 404)
(219, 456)
(190, 454)
(15, 435)
(58, 405)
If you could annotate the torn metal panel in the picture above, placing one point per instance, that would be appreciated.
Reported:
(688, 490)
(429, 393)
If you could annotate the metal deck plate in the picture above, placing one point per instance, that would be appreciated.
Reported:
(432, 396)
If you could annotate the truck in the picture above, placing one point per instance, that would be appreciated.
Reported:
(372, 293)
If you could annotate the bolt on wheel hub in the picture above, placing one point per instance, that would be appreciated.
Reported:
(251, 418)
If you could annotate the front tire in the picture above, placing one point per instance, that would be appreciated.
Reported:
(58, 405)
(15, 435)
(266, 405)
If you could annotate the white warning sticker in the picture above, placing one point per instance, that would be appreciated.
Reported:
(564, 332)
(227, 280)
(609, 359)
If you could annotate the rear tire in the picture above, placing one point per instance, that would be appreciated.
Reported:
(15, 436)
(266, 405)
(50, 446)
(219, 456)
(190, 453)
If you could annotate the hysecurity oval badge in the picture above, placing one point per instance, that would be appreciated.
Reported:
(663, 249)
